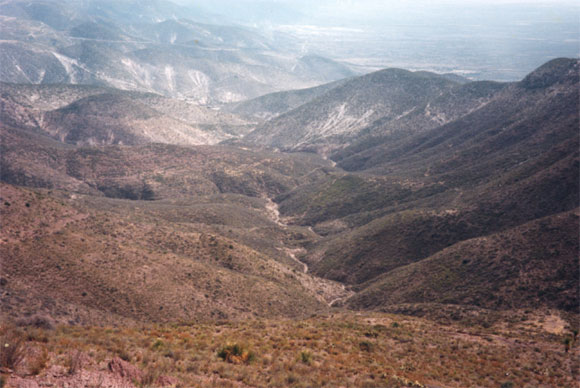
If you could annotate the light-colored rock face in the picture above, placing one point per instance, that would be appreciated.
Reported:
(340, 115)
(383, 103)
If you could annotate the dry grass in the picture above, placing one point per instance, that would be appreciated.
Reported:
(39, 362)
(351, 350)
(12, 348)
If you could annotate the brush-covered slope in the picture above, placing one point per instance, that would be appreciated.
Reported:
(150, 171)
(529, 112)
(486, 168)
(84, 261)
(510, 162)
(534, 264)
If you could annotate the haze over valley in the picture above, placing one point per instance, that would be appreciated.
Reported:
(273, 194)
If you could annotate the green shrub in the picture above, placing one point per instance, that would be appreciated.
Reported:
(236, 354)
(306, 357)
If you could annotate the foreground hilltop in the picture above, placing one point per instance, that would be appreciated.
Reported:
(343, 349)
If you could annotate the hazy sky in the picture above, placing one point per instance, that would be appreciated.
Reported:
(347, 10)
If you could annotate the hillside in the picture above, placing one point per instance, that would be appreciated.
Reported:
(391, 101)
(84, 260)
(530, 265)
(363, 349)
(125, 212)
(510, 162)
(540, 103)
(100, 116)
(275, 104)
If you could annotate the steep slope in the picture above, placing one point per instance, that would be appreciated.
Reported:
(343, 114)
(114, 119)
(487, 168)
(510, 162)
(81, 261)
(534, 264)
(512, 115)
(30, 158)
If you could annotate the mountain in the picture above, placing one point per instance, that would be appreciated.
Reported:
(454, 196)
(155, 46)
(394, 100)
(457, 203)
(199, 243)
(83, 260)
(488, 163)
(424, 199)
(544, 97)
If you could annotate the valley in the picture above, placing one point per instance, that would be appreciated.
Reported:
(103, 231)
(190, 204)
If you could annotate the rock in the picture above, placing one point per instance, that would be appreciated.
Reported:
(167, 381)
(125, 369)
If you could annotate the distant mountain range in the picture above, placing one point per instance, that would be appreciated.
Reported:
(153, 46)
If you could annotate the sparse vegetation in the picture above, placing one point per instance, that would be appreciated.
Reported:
(39, 362)
(74, 362)
(313, 352)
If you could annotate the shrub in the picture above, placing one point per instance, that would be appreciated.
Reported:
(37, 321)
(366, 346)
(306, 357)
(149, 378)
(158, 344)
(236, 354)
(12, 349)
(567, 344)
